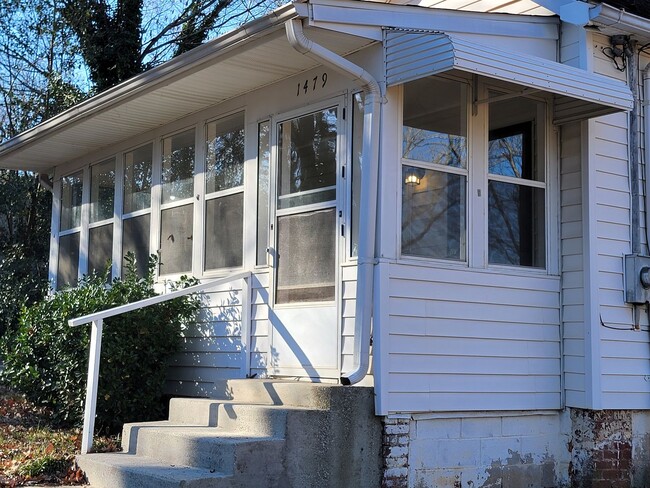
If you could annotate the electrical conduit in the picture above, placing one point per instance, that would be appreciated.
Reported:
(369, 179)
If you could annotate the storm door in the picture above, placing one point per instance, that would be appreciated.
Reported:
(308, 223)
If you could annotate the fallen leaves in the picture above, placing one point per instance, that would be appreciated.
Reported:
(33, 451)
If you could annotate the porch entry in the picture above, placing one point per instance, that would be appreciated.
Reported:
(306, 238)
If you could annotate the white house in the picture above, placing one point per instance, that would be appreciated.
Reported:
(442, 200)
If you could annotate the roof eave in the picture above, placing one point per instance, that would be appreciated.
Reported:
(147, 80)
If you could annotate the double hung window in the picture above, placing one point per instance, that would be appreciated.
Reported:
(503, 161)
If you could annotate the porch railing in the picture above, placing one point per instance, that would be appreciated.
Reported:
(97, 320)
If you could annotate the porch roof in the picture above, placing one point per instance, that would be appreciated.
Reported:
(256, 55)
(578, 93)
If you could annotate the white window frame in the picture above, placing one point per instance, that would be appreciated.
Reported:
(478, 178)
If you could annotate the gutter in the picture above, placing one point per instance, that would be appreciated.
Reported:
(616, 18)
(369, 179)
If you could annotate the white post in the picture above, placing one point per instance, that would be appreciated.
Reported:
(91, 386)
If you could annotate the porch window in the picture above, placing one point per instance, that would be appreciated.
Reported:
(136, 206)
(263, 181)
(102, 208)
(357, 147)
(69, 230)
(176, 227)
(434, 169)
(516, 188)
(224, 193)
(506, 171)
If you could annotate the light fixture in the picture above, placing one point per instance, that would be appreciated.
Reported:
(412, 177)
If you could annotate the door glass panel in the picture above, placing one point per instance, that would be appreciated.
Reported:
(306, 257)
(176, 240)
(307, 169)
(100, 248)
(178, 167)
(224, 231)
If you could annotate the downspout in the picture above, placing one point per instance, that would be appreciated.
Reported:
(368, 211)
(633, 75)
(646, 126)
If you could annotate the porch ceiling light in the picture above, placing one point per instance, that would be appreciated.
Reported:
(412, 179)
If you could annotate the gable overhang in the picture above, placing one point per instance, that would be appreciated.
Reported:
(578, 94)
(251, 57)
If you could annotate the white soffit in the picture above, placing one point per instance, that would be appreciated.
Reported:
(219, 70)
(526, 7)
(578, 94)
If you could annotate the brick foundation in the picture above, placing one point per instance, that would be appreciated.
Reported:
(395, 446)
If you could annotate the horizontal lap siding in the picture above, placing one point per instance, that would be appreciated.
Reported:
(625, 354)
(260, 333)
(211, 348)
(348, 304)
(467, 340)
(572, 265)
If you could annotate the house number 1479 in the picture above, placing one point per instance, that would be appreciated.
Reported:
(316, 83)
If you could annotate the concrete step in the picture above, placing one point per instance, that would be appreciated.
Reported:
(251, 419)
(121, 470)
(304, 394)
(210, 448)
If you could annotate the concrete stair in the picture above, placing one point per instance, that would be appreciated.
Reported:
(257, 433)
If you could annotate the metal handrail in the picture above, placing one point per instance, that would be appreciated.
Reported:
(97, 320)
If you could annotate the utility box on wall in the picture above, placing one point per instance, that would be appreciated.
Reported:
(637, 279)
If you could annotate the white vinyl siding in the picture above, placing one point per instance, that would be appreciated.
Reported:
(211, 348)
(571, 231)
(624, 353)
(348, 304)
(472, 340)
(260, 344)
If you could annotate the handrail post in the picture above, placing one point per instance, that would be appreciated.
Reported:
(91, 386)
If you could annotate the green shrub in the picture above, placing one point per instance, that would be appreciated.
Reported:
(48, 361)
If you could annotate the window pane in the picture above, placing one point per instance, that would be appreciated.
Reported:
(176, 240)
(100, 248)
(306, 257)
(225, 154)
(435, 122)
(71, 193)
(178, 167)
(135, 239)
(137, 179)
(102, 191)
(512, 149)
(357, 147)
(224, 231)
(433, 214)
(307, 172)
(263, 179)
(516, 225)
(68, 271)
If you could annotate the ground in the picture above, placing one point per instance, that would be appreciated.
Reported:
(35, 452)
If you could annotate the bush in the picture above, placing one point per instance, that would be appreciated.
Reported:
(47, 360)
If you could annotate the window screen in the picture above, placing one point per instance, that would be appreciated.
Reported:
(306, 257)
(135, 239)
(71, 194)
(137, 179)
(100, 248)
(224, 230)
(176, 240)
(102, 191)
(263, 179)
(67, 274)
(178, 167)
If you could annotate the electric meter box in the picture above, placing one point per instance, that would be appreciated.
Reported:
(637, 279)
